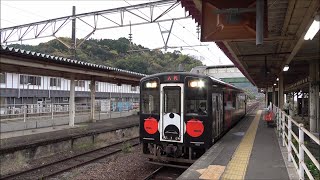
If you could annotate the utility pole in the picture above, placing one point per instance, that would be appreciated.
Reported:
(130, 34)
(73, 35)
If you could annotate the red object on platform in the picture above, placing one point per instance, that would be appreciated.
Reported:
(195, 128)
(268, 116)
(150, 125)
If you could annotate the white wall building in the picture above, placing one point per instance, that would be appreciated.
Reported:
(31, 89)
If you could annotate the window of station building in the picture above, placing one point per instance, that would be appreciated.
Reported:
(3, 101)
(97, 86)
(30, 80)
(80, 83)
(47, 100)
(133, 88)
(55, 82)
(3, 77)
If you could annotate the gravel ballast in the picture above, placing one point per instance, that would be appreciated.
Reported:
(129, 164)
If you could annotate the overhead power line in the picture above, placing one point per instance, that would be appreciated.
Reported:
(51, 27)
(193, 36)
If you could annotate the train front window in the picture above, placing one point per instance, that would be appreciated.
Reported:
(172, 100)
(150, 99)
(196, 101)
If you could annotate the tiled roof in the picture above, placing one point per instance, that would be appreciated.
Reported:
(58, 59)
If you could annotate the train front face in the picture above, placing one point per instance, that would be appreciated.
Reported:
(174, 115)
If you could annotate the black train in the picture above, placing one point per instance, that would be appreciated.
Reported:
(182, 114)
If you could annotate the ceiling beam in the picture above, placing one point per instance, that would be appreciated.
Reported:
(259, 60)
(306, 58)
(304, 26)
(291, 5)
(264, 54)
(276, 38)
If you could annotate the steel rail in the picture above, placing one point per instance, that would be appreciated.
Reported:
(155, 172)
(78, 164)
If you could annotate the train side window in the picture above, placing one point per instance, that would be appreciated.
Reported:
(234, 100)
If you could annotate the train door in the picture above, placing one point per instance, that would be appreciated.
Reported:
(217, 114)
(220, 112)
(171, 124)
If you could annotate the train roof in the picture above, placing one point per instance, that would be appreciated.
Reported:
(216, 80)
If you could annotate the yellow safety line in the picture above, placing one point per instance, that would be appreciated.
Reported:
(237, 167)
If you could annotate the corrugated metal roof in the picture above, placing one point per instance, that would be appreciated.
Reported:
(55, 59)
(287, 22)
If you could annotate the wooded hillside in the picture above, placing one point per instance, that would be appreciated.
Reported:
(116, 53)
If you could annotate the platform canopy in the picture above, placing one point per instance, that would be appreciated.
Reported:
(232, 25)
(27, 62)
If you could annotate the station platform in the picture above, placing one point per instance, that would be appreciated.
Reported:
(250, 150)
(16, 140)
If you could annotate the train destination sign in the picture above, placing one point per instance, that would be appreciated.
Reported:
(172, 78)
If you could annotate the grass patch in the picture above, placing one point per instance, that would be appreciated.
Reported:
(126, 147)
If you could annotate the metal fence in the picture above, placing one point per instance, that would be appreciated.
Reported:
(52, 110)
(297, 149)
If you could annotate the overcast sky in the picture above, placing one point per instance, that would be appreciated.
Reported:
(183, 33)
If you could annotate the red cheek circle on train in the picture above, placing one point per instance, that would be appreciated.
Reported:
(195, 128)
(150, 125)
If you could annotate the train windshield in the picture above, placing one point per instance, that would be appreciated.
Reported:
(150, 99)
(172, 99)
(196, 101)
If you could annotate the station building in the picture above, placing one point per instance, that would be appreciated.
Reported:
(229, 74)
(40, 91)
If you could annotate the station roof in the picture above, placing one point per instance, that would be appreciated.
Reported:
(217, 66)
(287, 23)
(27, 62)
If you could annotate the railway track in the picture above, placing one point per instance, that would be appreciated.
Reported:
(168, 172)
(252, 107)
(154, 173)
(60, 166)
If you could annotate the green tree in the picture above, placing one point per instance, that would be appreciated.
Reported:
(115, 53)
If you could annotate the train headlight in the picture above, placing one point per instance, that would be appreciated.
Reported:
(196, 83)
(151, 84)
(193, 84)
(200, 84)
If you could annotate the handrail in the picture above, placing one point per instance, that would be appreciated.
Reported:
(294, 148)
(26, 111)
(294, 122)
(294, 135)
(294, 161)
(313, 137)
(284, 129)
(313, 159)
(307, 171)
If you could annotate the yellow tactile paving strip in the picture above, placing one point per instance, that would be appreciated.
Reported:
(236, 168)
